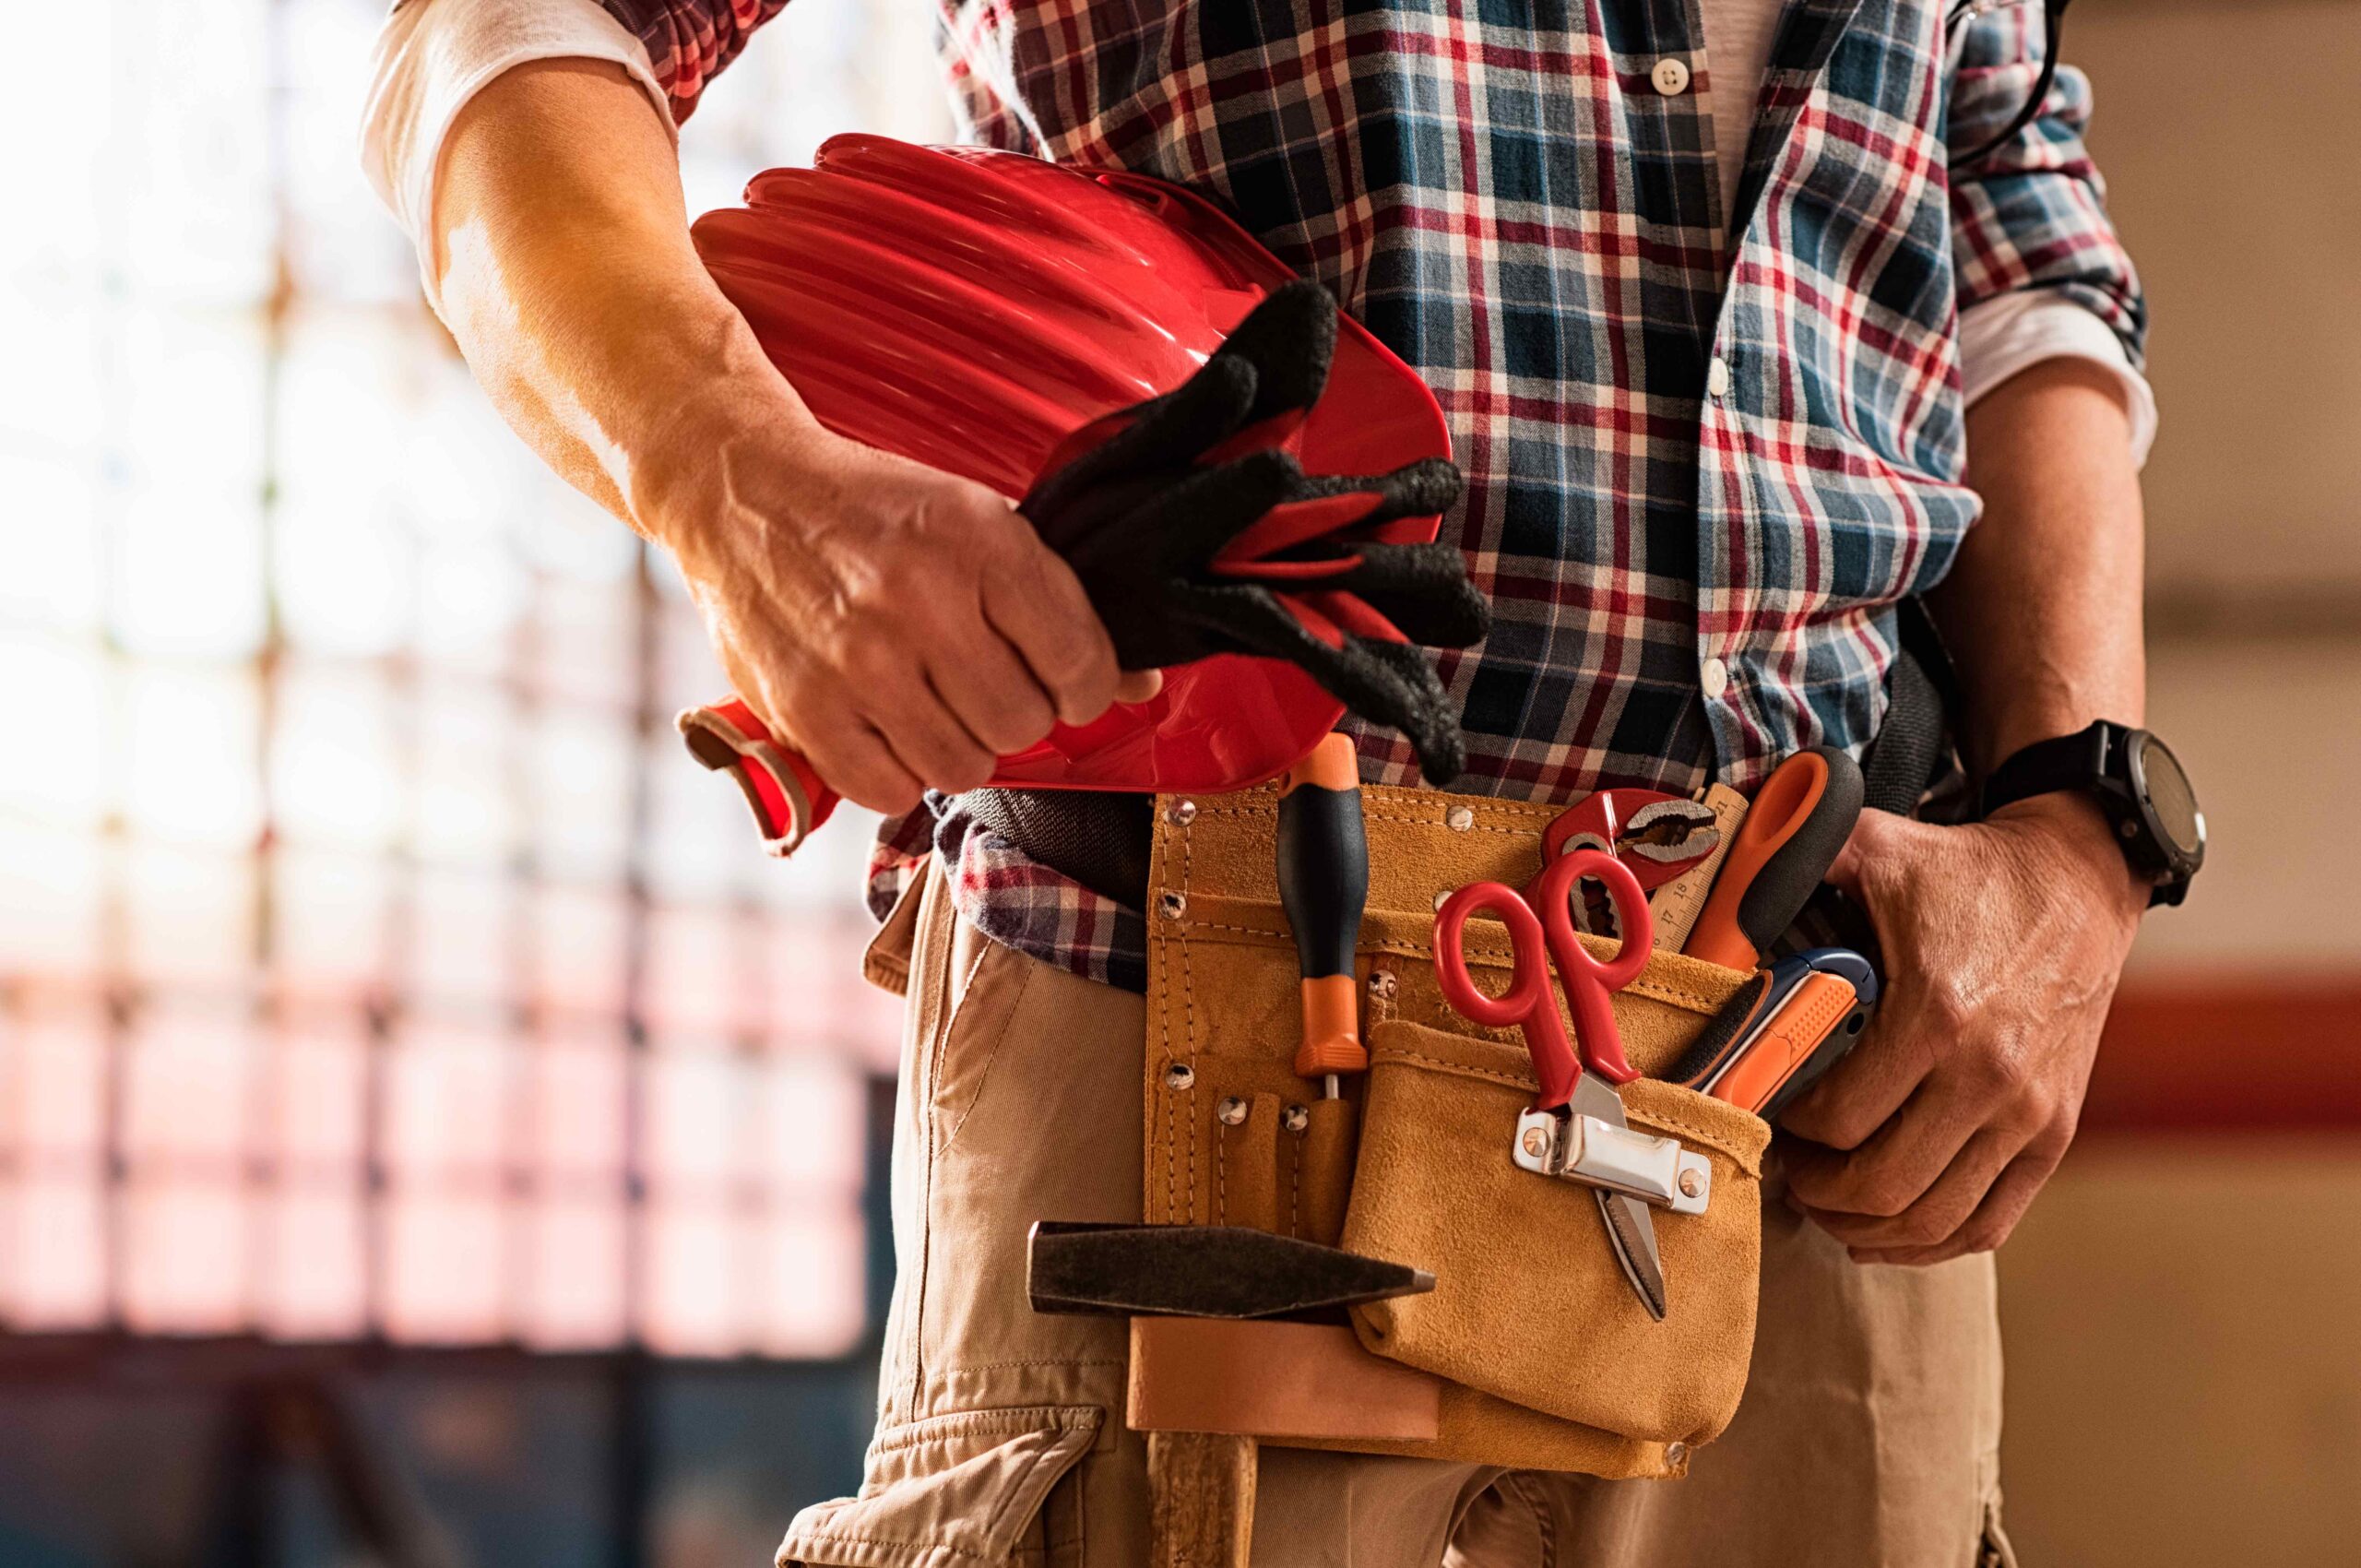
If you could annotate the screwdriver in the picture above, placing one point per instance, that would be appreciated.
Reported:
(1323, 885)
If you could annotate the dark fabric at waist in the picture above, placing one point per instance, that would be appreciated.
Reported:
(1098, 838)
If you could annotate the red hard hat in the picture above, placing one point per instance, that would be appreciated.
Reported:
(971, 309)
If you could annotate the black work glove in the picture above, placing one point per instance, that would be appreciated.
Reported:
(1193, 535)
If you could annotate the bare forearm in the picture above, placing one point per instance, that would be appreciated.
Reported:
(567, 277)
(2002, 939)
(900, 625)
(2042, 608)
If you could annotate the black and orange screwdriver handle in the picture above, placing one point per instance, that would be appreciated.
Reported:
(1800, 818)
(1323, 885)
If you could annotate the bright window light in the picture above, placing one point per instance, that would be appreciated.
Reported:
(373, 961)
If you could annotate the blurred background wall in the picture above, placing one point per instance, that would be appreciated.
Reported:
(424, 1120)
(424, 1117)
(2181, 1306)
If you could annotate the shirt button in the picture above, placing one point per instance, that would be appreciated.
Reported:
(1716, 678)
(1717, 378)
(1671, 77)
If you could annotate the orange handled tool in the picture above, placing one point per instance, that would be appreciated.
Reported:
(1782, 1031)
(1800, 818)
(1323, 885)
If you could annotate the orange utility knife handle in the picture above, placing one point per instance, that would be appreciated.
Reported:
(788, 798)
(1323, 885)
(1800, 818)
(1817, 1005)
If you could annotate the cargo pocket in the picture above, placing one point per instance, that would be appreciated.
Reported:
(950, 1491)
(885, 962)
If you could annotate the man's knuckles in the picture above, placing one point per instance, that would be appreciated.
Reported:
(1830, 1117)
(1860, 1186)
(1875, 1194)
(1011, 722)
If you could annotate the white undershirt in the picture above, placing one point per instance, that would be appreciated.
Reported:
(1738, 51)
(434, 56)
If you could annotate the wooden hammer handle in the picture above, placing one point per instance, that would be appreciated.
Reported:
(1200, 1493)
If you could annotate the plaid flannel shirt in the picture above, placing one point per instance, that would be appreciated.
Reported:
(1702, 471)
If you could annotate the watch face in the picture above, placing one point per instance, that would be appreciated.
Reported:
(2172, 804)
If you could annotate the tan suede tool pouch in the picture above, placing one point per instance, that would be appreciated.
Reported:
(1550, 1360)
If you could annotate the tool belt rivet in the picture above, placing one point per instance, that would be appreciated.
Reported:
(1381, 985)
(1691, 1184)
(1172, 905)
(1181, 814)
(1536, 1142)
(1459, 819)
(1179, 1075)
(1443, 897)
(1295, 1118)
(1231, 1111)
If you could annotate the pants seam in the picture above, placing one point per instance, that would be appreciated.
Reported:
(1545, 1528)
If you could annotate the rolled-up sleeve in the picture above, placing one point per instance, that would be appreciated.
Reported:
(689, 41)
(433, 56)
(2031, 214)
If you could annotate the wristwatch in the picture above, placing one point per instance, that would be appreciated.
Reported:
(2137, 783)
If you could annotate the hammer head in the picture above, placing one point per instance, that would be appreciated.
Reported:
(1201, 1271)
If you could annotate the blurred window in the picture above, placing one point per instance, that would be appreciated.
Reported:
(373, 961)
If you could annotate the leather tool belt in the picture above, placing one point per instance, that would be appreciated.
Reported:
(1544, 1358)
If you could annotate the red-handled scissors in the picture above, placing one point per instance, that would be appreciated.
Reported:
(1542, 932)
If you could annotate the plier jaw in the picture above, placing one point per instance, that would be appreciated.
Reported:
(1678, 833)
(1656, 834)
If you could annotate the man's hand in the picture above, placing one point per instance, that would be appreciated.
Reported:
(899, 626)
(2002, 943)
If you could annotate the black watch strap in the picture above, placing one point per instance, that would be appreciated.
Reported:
(2120, 768)
(2080, 761)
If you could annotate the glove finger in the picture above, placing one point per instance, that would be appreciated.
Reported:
(1169, 433)
(1387, 683)
(1423, 588)
(1184, 527)
(1426, 716)
(1333, 507)
(1333, 617)
(1290, 339)
(1296, 524)
(1415, 489)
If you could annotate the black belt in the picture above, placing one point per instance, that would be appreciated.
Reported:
(1102, 839)
(1098, 838)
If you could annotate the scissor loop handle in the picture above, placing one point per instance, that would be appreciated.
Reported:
(1589, 983)
(1526, 1002)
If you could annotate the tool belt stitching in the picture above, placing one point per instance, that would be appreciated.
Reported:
(1189, 1039)
(1494, 957)
(1705, 1135)
(1543, 814)
(1221, 1178)
(1294, 1187)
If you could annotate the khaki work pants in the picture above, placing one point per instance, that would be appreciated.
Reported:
(1869, 1434)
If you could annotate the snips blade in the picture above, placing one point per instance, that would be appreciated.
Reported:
(1630, 1227)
